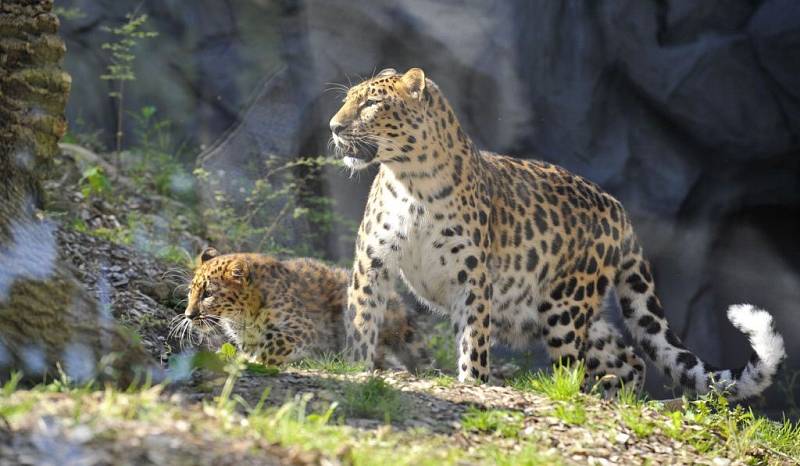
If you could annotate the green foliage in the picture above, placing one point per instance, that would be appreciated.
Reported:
(94, 182)
(68, 14)
(226, 360)
(737, 431)
(120, 69)
(372, 399)
(176, 255)
(564, 384)
(332, 363)
(502, 422)
(10, 385)
(636, 412)
(155, 161)
(267, 215)
(121, 48)
(442, 347)
(445, 381)
(573, 412)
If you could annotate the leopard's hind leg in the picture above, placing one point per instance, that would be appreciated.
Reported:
(401, 337)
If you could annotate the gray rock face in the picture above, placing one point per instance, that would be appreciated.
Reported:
(686, 111)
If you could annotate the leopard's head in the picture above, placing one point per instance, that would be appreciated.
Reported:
(383, 119)
(222, 291)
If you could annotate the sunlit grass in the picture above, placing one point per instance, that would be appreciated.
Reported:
(707, 425)
(493, 421)
(332, 363)
(563, 384)
(528, 455)
(373, 399)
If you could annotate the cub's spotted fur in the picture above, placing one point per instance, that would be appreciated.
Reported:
(282, 311)
(511, 249)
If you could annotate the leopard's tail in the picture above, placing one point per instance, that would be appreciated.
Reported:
(645, 318)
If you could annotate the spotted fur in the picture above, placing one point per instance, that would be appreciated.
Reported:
(511, 249)
(282, 311)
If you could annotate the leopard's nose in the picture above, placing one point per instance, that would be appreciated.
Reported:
(191, 312)
(336, 127)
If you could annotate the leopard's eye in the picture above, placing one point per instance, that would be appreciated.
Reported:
(206, 293)
(370, 102)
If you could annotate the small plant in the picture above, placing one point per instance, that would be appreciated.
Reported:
(372, 399)
(155, 161)
(570, 412)
(497, 421)
(442, 347)
(564, 384)
(445, 381)
(637, 421)
(266, 214)
(120, 70)
(175, 254)
(94, 182)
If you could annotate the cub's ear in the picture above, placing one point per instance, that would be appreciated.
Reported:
(386, 72)
(414, 81)
(208, 254)
(239, 271)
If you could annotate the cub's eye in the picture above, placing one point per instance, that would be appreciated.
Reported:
(370, 103)
(206, 293)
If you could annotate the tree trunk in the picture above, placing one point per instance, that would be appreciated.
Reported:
(47, 320)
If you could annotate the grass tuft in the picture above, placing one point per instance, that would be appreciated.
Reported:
(331, 363)
(494, 421)
(563, 384)
(372, 399)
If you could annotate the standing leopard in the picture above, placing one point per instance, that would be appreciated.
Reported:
(278, 312)
(511, 249)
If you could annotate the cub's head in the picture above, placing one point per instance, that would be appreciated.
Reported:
(381, 119)
(222, 291)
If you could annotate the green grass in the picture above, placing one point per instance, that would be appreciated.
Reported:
(444, 381)
(571, 412)
(527, 455)
(563, 384)
(494, 421)
(372, 399)
(738, 431)
(442, 347)
(438, 378)
(330, 363)
(707, 425)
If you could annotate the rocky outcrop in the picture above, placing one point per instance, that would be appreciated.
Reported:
(48, 322)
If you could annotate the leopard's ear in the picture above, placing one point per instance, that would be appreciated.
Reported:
(208, 254)
(414, 82)
(239, 271)
(386, 72)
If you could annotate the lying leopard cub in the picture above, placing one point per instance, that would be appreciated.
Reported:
(278, 312)
(513, 250)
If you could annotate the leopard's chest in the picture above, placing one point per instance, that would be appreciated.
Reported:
(423, 245)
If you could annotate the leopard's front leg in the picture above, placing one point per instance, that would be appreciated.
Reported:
(370, 287)
(472, 314)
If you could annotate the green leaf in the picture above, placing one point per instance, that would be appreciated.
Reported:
(262, 369)
(227, 351)
(209, 361)
(148, 111)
